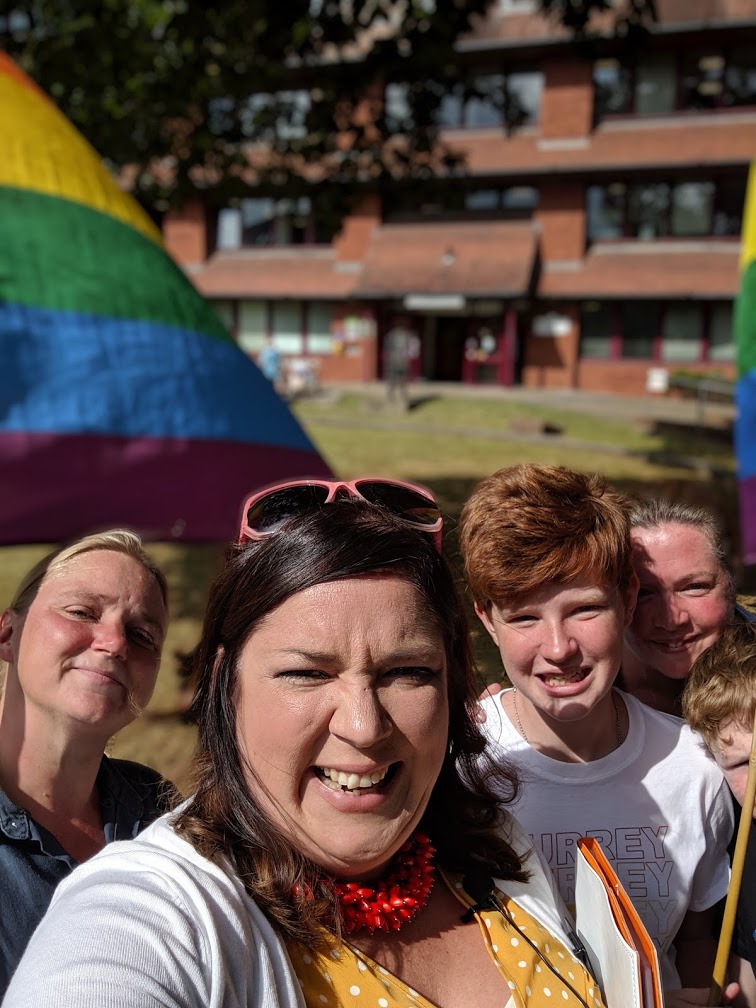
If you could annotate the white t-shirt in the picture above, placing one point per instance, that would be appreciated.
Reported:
(658, 804)
(150, 922)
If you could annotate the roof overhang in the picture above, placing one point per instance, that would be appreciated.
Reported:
(449, 260)
(280, 273)
(707, 270)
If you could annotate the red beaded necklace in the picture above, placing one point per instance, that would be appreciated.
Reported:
(392, 901)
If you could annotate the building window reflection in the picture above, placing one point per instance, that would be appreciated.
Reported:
(666, 82)
(510, 100)
(670, 332)
(670, 209)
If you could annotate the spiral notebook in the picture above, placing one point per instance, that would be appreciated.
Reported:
(622, 956)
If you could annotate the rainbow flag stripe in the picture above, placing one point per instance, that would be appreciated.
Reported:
(123, 400)
(745, 393)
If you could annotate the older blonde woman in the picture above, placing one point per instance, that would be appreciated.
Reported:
(81, 644)
(685, 601)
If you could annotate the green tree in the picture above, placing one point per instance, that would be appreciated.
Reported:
(215, 96)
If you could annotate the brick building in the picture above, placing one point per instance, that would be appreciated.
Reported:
(592, 244)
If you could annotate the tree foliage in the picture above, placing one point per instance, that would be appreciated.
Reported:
(202, 94)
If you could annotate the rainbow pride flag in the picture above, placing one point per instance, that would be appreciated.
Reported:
(745, 392)
(122, 398)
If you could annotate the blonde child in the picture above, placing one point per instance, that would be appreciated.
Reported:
(719, 702)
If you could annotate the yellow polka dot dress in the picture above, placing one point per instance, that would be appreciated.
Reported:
(537, 970)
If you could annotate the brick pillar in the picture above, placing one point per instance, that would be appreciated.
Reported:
(185, 233)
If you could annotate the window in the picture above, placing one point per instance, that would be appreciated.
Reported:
(455, 202)
(257, 216)
(649, 210)
(524, 97)
(286, 321)
(517, 6)
(596, 325)
(656, 86)
(740, 78)
(253, 326)
(282, 115)
(450, 109)
(682, 333)
(286, 326)
(482, 199)
(229, 233)
(605, 211)
(703, 80)
(676, 333)
(721, 340)
(486, 108)
(275, 222)
(640, 325)
(319, 328)
(493, 100)
(729, 203)
(515, 199)
(661, 83)
(519, 198)
(612, 85)
(265, 221)
(692, 209)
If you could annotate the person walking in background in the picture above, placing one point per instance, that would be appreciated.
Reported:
(81, 644)
(400, 347)
(269, 362)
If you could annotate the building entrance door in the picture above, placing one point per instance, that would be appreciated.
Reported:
(449, 348)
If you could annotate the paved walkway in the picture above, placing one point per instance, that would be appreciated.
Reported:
(632, 408)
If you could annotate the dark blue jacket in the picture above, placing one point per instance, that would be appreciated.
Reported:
(32, 861)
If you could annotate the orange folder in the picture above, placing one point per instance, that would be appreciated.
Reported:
(622, 955)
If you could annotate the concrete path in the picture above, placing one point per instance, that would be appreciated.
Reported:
(694, 412)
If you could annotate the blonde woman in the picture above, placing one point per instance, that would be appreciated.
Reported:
(81, 644)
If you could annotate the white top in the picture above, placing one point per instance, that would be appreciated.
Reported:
(658, 804)
(150, 922)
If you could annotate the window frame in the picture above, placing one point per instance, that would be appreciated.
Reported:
(678, 58)
(628, 228)
(463, 100)
(616, 338)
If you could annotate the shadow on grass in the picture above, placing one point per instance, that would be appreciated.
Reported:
(417, 402)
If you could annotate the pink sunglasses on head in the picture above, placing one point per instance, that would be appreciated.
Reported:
(267, 510)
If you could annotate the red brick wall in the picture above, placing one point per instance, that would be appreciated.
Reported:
(551, 361)
(628, 377)
(561, 217)
(185, 234)
(359, 360)
(567, 105)
(341, 368)
(352, 241)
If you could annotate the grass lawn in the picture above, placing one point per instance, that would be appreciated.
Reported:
(448, 444)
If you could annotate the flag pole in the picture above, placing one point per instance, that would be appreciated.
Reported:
(736, 877)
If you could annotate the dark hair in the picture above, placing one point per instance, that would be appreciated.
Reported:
(346, 539)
